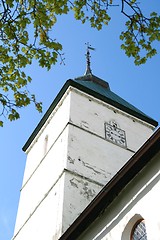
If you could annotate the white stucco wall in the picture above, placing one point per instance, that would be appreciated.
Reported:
(43, 180)
(90, 113)
(44, 167)
(45, 222)
(93, 157)
(53, 127)
(78, 193)
(68, 163)
(140, 199)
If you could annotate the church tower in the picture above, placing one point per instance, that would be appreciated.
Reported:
(87, 134)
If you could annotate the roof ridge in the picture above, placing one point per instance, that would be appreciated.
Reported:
(93, 78)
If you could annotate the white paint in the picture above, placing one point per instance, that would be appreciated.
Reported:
(62, 177)
(93, 156)
(140, 199)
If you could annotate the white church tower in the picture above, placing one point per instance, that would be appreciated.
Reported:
(85, 137)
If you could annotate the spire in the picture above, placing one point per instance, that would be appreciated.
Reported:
(88, 57)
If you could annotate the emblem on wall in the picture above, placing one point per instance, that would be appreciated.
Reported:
(114, 134)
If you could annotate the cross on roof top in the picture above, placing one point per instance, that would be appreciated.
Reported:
(88, 62)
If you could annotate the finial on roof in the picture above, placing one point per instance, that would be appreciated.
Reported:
(88, 57)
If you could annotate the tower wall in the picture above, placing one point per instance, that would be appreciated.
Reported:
(69, 161)
(47, 136)
(90, 113)
(44, 167)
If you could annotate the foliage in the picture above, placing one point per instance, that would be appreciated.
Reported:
(26, 34)
(141, 31)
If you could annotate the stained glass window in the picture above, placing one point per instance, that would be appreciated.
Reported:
(139, 231)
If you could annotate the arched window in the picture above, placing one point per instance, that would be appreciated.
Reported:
(139, 231)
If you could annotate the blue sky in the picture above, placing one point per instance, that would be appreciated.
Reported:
(138, 85)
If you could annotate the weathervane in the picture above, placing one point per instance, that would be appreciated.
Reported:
(88, 57)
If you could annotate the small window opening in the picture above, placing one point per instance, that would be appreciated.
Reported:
(45, 144)
(139, 231)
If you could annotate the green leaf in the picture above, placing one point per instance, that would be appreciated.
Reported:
(27, 35)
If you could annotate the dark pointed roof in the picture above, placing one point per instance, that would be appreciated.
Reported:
(97, 88)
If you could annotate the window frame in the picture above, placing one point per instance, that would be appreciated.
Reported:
(134, 226)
